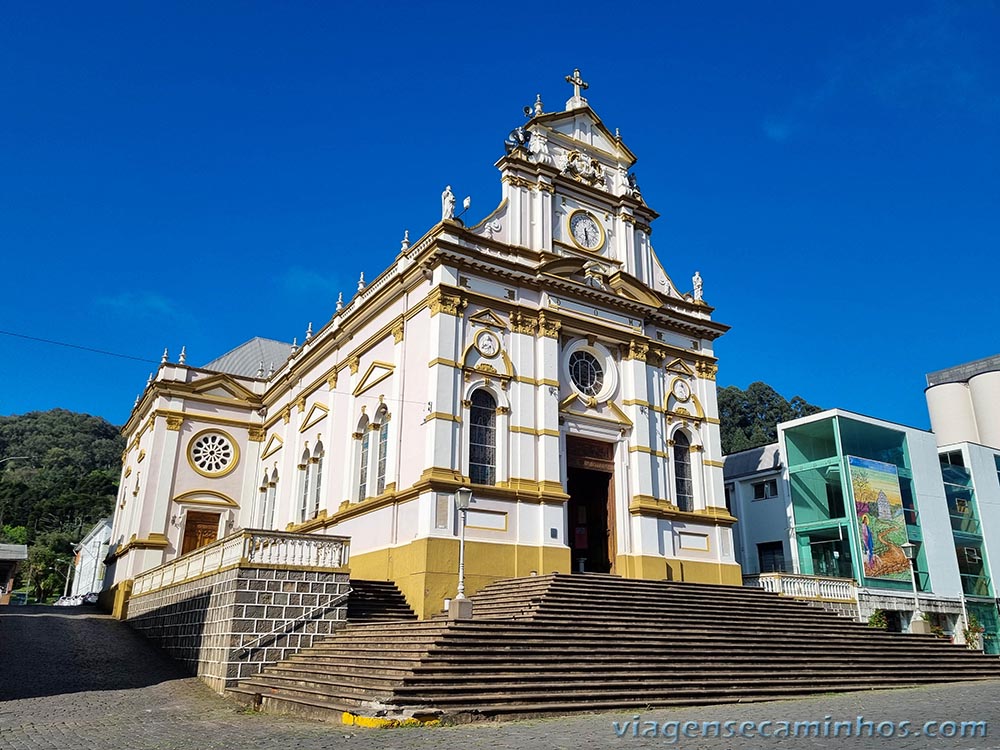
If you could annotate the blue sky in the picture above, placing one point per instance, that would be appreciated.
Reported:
(200, 173)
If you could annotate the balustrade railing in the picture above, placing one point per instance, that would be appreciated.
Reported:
(804, 587)
(248, 547)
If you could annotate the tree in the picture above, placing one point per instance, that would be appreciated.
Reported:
(70, 480)
(749, 418)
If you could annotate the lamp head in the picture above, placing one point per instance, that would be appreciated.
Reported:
(463, 497)
(909, 550)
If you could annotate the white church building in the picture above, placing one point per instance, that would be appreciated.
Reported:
(542, 357)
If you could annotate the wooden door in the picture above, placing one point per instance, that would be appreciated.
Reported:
(199, 529)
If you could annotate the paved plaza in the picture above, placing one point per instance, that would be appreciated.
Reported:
(76, 679)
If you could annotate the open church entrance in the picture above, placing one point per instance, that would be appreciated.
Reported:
(590, 469)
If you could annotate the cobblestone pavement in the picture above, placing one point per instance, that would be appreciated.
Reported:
(75, 679)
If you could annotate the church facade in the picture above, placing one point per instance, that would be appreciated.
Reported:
(542, 357)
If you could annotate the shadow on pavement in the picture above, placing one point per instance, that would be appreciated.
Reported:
(57, 650)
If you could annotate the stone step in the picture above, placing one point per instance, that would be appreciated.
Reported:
(571, 679)
(339, 692)
(644, 693)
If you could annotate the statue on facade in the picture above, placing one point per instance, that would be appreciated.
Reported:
(447, 204)
(697, 286)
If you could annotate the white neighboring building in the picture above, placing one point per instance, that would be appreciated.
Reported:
(757, 492)
(88, 569)
(542, 356)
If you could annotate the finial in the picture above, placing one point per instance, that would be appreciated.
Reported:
(149, 380)
(618, 134)
(271, 371)
(406, 240)
(163, 359)
(183, 358)
(361, 282)
(138, 396)
(340, 301)
(697, 282)
(295, 346)
(538, 105)
(309, 332)
(260, 369)
(578, 85)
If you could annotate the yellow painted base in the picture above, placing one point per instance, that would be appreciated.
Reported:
(354, 720)
(426, 570)
(653, 567)
(121, 593)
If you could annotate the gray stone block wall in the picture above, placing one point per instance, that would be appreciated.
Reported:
(222, 627)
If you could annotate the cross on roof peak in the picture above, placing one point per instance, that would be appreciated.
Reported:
(578, 85)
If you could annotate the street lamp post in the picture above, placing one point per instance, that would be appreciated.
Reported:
(910, 552)
(463, 498)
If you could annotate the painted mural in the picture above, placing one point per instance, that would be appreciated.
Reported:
(881, 525)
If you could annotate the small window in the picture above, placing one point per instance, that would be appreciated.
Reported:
(765, 490)
(952, 458)
(972, 555)
(364, 435)
(317, 468)
(383, 450)
(304, 487)
(771, 557)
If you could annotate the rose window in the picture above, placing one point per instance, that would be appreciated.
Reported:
(213, 453)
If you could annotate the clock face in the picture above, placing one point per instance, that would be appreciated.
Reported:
(682, 390)
(585, 230)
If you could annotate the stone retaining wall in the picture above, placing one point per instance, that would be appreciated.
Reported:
(214, 624)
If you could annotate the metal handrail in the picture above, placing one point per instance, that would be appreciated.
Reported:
(254, 644)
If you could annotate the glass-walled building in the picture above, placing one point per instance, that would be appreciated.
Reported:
(860, 490)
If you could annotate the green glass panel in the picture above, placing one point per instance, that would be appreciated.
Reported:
(817, 495)
(810, 442)
(871, 441)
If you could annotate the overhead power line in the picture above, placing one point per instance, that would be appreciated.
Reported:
(78, 346)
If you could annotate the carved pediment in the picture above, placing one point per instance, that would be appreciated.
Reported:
(376, 373)
(583, 406)
(679, 366)
(316, 413)
(487, 318)
(629, 286)
(222, 386)
(274, 444)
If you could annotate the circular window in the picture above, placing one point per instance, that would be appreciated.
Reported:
(586, 373)
(213, 454)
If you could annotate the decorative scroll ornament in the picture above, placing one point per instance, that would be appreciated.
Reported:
(584, 168)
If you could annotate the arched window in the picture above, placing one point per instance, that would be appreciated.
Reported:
(304, 468)
(317, 465)
(682, 472)
(267, 520)
(382, 420)
(364, 435)
(482, 438)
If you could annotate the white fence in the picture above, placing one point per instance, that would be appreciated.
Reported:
(248, 547)
(805, 587)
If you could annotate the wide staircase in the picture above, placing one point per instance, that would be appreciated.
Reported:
(564, 643)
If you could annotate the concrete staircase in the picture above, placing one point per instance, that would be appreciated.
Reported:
(566, 643)
(377, 601)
